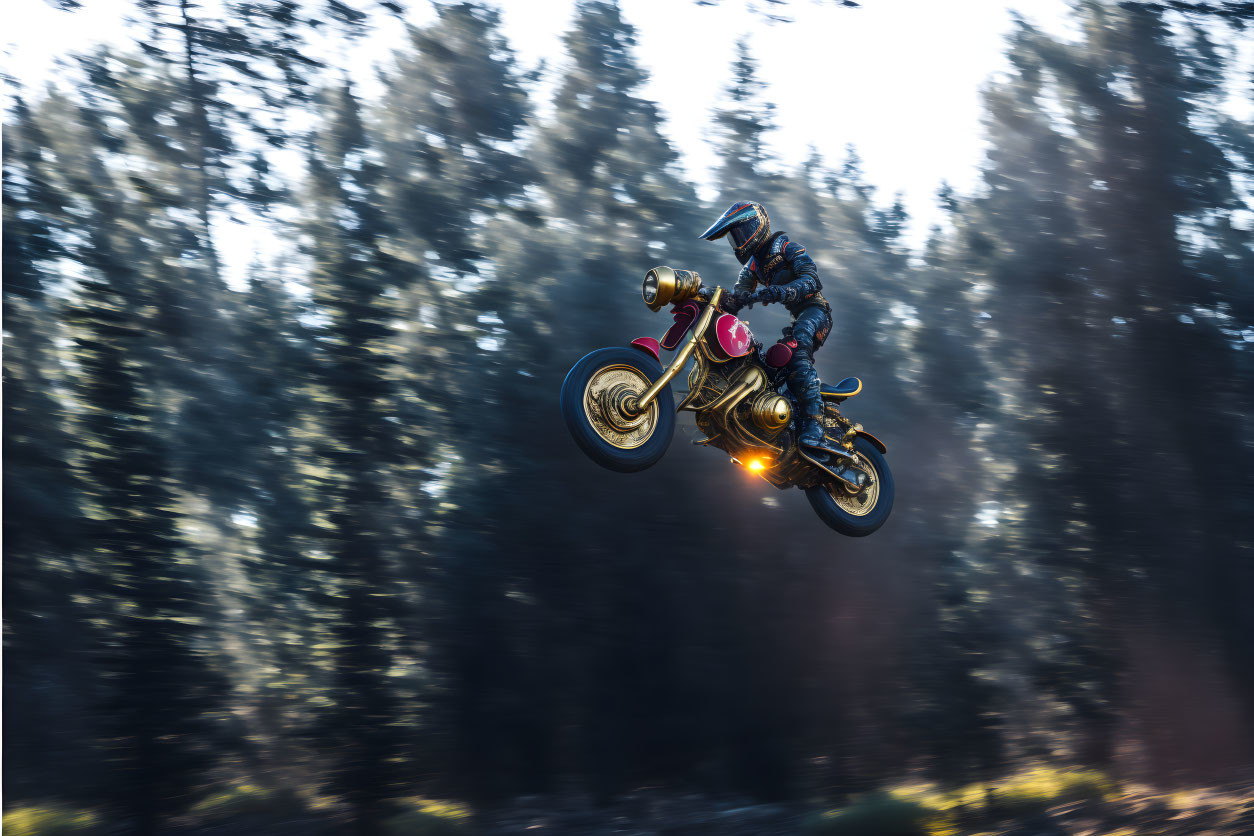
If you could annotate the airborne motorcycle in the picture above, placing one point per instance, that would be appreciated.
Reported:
(618, 406)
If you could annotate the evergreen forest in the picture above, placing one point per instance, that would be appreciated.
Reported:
(309, 550)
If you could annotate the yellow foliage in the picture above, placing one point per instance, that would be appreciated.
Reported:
(940, 811)
(1183, 799)
(1045, 786)
(34, 820)
(427, 817)
(443, 809)
(239, 798)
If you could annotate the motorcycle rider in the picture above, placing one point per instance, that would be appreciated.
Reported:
(786, 275)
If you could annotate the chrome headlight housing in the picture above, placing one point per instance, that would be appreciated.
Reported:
(663, 286)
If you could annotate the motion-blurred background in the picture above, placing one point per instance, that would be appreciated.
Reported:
(295, 540)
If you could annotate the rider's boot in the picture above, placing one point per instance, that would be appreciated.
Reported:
(813, 438)
(803, 382)
(812, 433)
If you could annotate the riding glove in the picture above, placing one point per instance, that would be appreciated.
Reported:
(768, 294)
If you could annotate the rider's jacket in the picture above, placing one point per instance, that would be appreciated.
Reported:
(784, 264)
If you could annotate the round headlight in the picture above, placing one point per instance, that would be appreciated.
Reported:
(659, 288)
(650, 287)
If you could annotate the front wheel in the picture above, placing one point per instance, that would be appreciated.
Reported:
(856, 514)
(591, 395)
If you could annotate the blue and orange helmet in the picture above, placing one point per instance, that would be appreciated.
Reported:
(745, 224)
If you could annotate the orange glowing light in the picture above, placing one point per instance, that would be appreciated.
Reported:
(756, 464)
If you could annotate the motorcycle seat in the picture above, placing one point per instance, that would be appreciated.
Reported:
(847, 388)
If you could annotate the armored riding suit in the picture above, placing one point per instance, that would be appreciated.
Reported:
(790, 276)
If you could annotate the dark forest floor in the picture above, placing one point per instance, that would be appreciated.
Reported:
(1134, 813)
(1129, 811)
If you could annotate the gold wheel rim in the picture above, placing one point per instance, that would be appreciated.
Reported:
(863, 502)
(605, 389)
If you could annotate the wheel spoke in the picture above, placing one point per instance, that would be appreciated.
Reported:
(605, 391)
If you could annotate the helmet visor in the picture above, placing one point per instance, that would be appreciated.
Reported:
(742, 232)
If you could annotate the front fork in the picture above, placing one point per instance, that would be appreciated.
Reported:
(631, 405)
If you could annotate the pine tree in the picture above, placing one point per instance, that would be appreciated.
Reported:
(45, 676)
(620, 207)
(608, 170)
(158, 718)
(355, 283)
(454, 104)
(890, 223)
(253, 50)
(1082, 252)
(741, 126)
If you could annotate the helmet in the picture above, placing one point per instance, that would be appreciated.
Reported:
(749, 227)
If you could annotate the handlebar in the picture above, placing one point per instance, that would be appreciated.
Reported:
(706, 293)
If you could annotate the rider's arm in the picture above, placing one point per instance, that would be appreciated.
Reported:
(806, 276)
(745, 283)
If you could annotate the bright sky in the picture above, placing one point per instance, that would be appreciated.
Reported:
(900, 79)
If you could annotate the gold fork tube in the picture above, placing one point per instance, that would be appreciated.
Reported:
(681, 359)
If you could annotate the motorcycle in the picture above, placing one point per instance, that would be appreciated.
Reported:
(617, 404)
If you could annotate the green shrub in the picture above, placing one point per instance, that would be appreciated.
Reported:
(878, 814)
(35, 820)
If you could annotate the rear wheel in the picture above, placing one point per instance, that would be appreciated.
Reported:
(856, 513)
(592, 397)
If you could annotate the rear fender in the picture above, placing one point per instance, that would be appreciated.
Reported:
(879, 445)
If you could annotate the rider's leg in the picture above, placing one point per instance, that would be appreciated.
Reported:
(809, 329)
